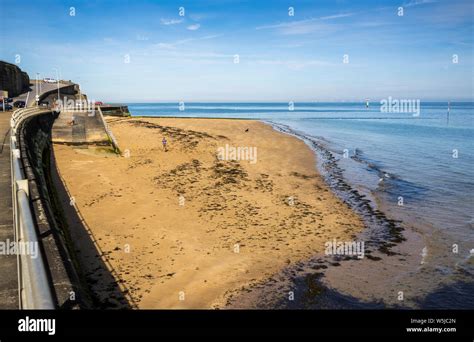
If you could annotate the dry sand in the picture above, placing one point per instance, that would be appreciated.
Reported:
(236, 226)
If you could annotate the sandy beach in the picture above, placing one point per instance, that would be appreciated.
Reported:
(182, 228)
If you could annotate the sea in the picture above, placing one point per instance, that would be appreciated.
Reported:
(414, 164)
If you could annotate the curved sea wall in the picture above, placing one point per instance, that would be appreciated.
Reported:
(33, 135)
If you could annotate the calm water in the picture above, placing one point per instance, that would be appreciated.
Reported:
(427, 161)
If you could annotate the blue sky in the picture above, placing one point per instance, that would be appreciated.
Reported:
(281, 57)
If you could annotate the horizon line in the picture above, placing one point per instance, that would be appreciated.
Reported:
(286, 102)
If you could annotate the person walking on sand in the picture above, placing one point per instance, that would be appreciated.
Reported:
(164, 142)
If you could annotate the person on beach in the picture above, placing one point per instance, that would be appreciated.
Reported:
(164, 142)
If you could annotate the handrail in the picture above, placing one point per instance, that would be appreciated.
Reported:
(36, 292)
(34, 286)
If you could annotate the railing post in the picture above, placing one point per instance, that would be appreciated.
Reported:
(22, 185)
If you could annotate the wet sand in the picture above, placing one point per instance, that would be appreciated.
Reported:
(183, 229)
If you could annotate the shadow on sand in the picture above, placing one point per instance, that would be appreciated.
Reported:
(101, 282)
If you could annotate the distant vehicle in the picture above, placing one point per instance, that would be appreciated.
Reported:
(7, 107)
(19, 104)
(98, 103)
(49, 80)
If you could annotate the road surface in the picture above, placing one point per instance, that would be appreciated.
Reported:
(41, 88)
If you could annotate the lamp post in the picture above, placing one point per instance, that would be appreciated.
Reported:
(57, 79)
(37, 87)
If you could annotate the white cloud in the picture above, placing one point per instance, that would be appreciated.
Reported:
(303, 26)
(166, 45)
(306, 28)
(172, 45)
(293, 64)
(419, 2)
(171, 21)
(193, 27)
(287, 24)
(337, 16)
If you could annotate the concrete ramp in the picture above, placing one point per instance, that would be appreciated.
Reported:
(87, 129)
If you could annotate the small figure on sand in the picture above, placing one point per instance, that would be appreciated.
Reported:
(164, 142)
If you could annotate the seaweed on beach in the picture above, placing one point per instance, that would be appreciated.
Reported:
(135, 163)
(383, 233)
(189, 138)
(264, 184)
(298, 287)
(228, 172)
(313, 287)
(181, 178)
(299, 175)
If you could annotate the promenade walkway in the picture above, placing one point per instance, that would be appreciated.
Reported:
(88, 129)
(9, 296)
(8, 263)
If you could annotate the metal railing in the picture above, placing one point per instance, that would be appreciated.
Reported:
(34, 287)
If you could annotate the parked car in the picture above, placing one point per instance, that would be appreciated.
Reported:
(19, 104)
(98, 103)
(8, 100)
(7, 107)
(49, 80)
